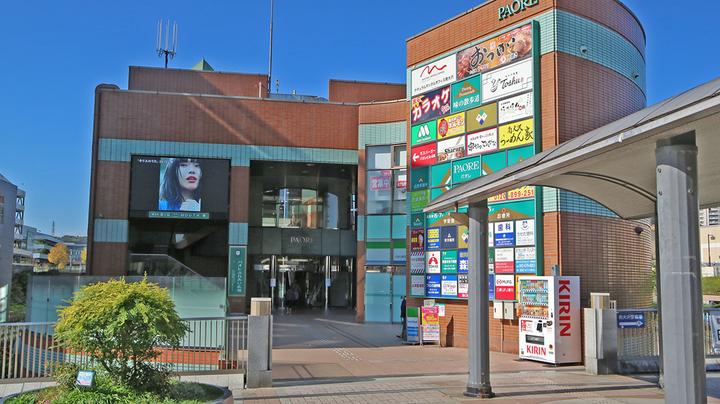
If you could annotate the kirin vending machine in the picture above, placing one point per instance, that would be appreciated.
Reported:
(550, 318)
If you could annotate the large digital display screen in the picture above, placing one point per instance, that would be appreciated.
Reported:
(179, 187)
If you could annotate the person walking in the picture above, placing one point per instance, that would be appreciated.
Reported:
(403, 306)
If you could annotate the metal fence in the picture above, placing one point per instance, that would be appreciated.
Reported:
(637, 342)
(212, 345)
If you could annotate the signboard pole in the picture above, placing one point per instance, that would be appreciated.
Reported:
(478, 304)
(679, 233)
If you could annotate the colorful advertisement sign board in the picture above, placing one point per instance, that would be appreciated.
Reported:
(515, 108)
(417, 285)
(417, 221)
(417, 239)
(505, 287)
(482, 142)
(516, 134)
(481, 118)
(449, 261)
(448, 237)
(423, 133)
(525, 232)
(463, 260)
(430, 106)
(463, 286)
(420, 178)
(430, 323)
(432, 241)
(449, 286)
(413, 324)
(418, 200)
(525, 260)
(433, 285)
(463, 236)
(507, 81)
(423, 155)
(504, 234)
(494, 52)
(431, 76)
(466, 169)
(417, 262)
(451, 125)
(433, 262)
(504, 260)
(466, 94)
(450, 149)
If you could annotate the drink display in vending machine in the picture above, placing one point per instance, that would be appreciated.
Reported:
(550, 318)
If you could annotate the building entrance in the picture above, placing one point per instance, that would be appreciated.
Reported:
(315, 282)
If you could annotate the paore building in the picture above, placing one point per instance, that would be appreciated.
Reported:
(203, 172)
(490, 88)
(196, 170)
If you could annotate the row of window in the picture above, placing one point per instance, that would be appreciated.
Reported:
(386, 180)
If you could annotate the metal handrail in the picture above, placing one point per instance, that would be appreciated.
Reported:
(213, 344)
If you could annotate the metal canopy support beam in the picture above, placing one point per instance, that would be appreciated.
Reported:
(478, 304)
(681, 291)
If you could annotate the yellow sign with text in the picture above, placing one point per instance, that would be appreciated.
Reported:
(516, 134)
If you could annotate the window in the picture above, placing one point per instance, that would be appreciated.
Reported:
(378, 190)
(302, 195)
(400, 187)
(399, 156)
(378, 157)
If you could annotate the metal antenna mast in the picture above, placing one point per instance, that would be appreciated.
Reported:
(167, 51)
(269, 83)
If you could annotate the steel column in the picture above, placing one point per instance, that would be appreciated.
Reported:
(680, 287)
(478, 304)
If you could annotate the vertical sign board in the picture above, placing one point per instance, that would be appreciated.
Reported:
(413, 328)
(237, 269)
(485, 123)
(430, 324)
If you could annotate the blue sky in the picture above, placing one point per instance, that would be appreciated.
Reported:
(54, 54)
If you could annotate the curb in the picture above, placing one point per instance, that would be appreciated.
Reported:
(227, 397)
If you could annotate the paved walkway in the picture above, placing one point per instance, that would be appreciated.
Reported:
(324, 357)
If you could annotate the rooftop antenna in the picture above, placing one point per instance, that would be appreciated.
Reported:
(167, 51)
(53, 229)
(269, 83)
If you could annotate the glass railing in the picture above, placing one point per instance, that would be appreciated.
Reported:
(194, 295)
(159, 265)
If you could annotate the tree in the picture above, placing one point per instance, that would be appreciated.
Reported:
(119, 325)
(83, 256)
(59, 255)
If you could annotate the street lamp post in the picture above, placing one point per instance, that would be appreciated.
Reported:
(710, 237)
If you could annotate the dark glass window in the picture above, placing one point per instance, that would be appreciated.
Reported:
(303, 195)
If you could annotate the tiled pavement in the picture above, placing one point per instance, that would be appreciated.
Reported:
(324, 357)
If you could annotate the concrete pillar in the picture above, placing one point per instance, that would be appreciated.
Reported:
(601, 341)
(478, 304)
(259, 345)
(680, 273)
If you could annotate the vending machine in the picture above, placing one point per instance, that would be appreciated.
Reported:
(550, 328)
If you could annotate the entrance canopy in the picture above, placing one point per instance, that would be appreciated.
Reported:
(615, 164)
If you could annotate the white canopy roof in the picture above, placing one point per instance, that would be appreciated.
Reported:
(615, 164)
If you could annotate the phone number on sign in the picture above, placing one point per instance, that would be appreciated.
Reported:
(524, 192)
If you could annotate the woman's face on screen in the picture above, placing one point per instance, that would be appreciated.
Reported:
(189, 174)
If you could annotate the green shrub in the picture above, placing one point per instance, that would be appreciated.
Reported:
(118, 325)
(105, 390)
